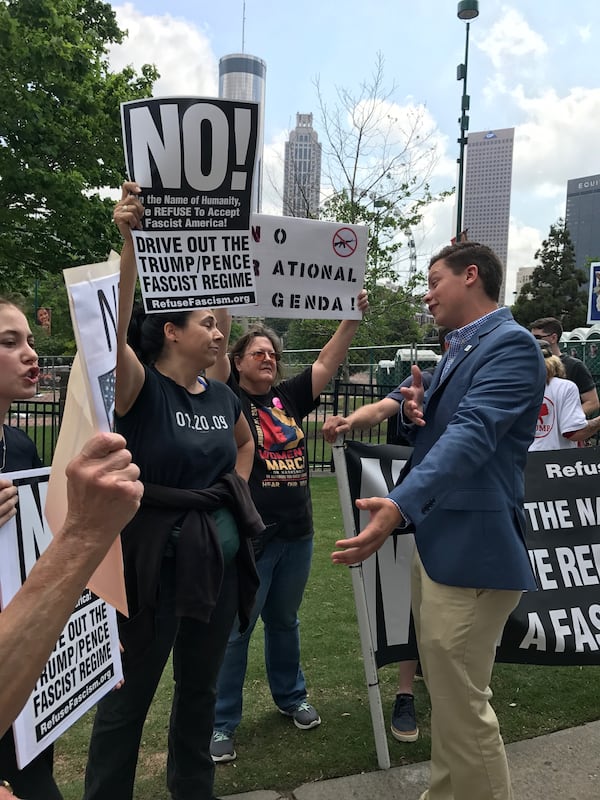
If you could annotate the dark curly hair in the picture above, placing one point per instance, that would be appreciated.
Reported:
(146, 334)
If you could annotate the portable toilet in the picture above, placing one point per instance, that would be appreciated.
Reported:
(407, 356)
(385, 374)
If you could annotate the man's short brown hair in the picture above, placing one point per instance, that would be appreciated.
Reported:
(460, 255)
(548, 325)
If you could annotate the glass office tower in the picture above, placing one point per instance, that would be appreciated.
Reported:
(488, 179)
(582, 218)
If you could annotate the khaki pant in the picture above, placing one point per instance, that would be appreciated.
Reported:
(457, 631)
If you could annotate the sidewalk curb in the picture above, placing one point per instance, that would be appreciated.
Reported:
(559, 766)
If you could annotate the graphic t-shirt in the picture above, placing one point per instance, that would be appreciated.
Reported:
(179, 439)
(279, 478)
(560, 413)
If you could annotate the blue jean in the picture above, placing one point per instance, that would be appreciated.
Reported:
(198, 648)
(283, 569)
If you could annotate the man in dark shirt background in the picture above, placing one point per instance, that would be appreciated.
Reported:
(551, 330)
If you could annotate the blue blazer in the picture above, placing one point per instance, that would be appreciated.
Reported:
(464, 492)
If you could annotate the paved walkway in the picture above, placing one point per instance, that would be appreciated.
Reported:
(560, 766)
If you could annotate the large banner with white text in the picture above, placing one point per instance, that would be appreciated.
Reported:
(560, 623)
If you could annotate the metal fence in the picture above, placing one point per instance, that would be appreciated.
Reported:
(41, 417)
(342, 398)
(368, 376)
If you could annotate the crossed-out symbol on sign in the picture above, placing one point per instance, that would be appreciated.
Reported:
(344, 242)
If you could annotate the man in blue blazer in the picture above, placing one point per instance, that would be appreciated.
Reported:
(464, 495)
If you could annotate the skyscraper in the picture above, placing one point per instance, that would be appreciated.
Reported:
(242, 77)
(524, 275)
(582, 218)
(488, 178)
(302, 170)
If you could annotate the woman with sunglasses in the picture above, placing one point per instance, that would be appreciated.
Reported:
(188, 563)
(279, 486)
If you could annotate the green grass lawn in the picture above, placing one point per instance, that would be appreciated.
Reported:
(273, 754)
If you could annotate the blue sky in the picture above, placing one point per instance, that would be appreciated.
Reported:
(533, 65)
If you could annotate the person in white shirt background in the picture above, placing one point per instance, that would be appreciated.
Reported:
(561, 423)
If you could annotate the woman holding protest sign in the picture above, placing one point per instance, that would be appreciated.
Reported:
(19, 373)
(188, 563)
(279, 487)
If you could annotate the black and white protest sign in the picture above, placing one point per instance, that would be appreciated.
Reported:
(85, 663)
(93, 291)
(372, 472)
(94, 306)
(194, 159)
(306, 269)
(560, 623)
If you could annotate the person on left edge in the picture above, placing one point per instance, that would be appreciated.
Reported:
(279, 487)
(188, 562)
(19, 374)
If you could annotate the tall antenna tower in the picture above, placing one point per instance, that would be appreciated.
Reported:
(243, 26)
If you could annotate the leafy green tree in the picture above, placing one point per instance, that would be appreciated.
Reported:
(60, 139)
(554, 289)
(377, 167)
(279, 325)
(50, 292)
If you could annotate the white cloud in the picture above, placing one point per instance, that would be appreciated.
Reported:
(180, 51)
(511, 38)
(558, 140)
(523, 242)
(584, 32)
(273, 155)
(435, 230)
(405, 132)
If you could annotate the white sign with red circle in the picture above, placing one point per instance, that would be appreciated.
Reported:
(305, 268)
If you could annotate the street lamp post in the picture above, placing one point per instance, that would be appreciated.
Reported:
(467, 10)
